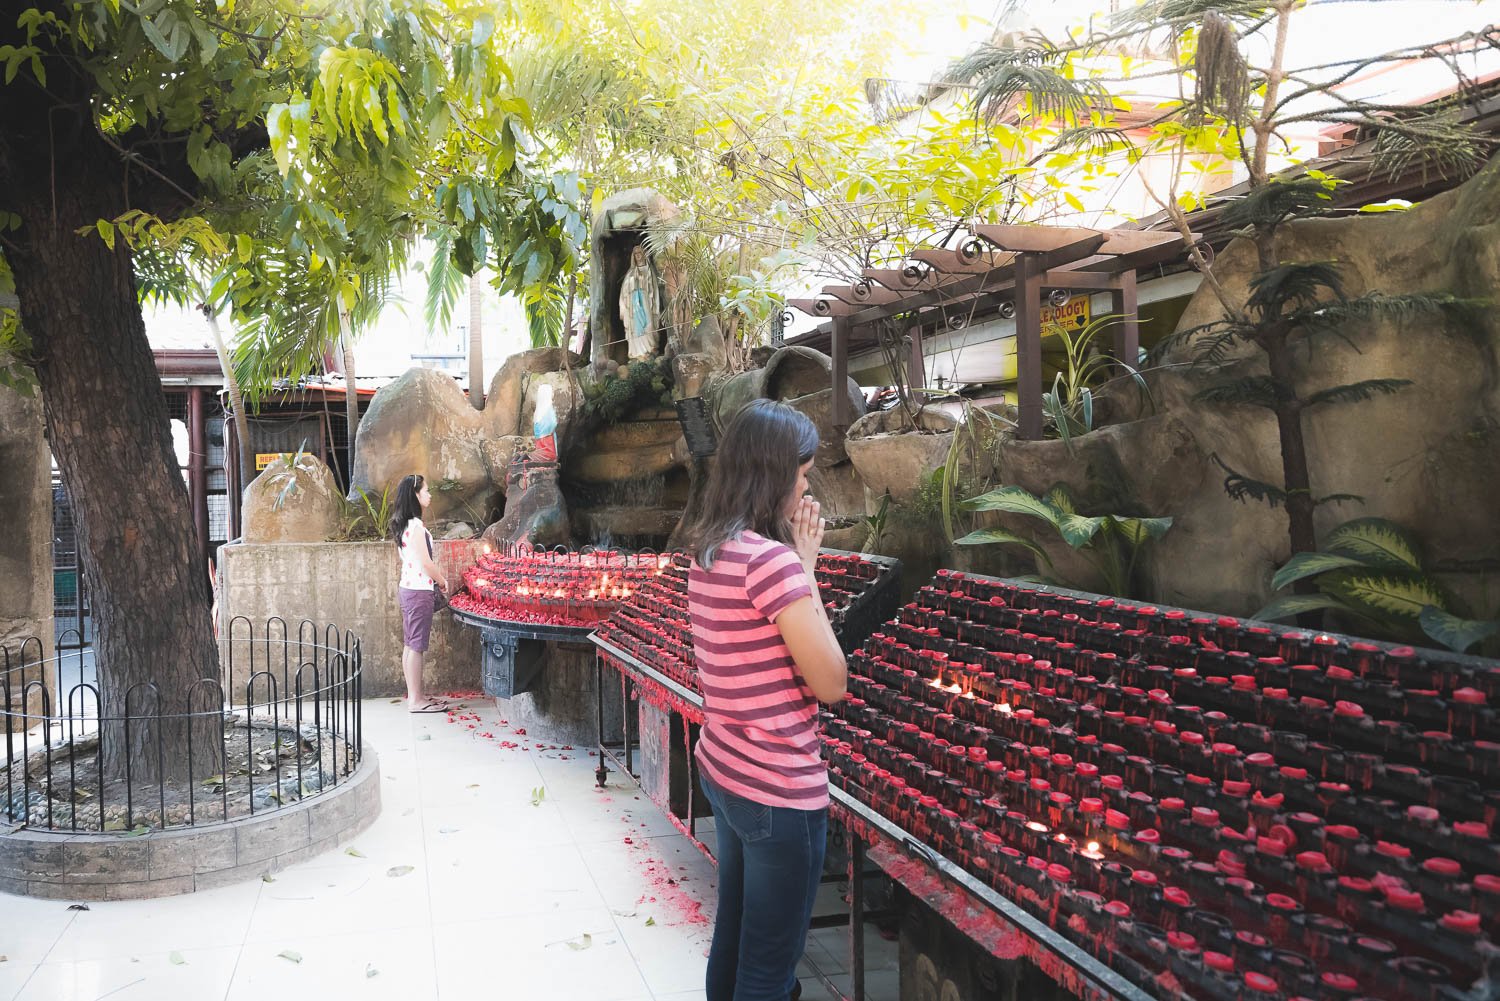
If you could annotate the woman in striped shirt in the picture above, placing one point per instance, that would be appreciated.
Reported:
(766, 654)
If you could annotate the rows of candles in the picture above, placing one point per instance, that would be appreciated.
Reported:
(565, 587)
(654, 625)
(1210, 805)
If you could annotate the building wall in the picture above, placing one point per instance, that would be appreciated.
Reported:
(353, 586)
(26, 543)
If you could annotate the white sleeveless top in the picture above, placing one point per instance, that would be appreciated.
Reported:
(414, 542)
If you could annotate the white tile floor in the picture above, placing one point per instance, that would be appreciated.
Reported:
(511, 894)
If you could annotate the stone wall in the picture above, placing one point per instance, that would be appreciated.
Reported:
(352, 585)
(26, 544)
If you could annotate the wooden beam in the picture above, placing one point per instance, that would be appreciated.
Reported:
(916, 364)
(1029, 345)
(1127, 347)
(863, 294)
(1063, 278)
(1131, 241)
(896, 279)
(821, 307)
(839, 353)
(1036, 239)
(954, 262)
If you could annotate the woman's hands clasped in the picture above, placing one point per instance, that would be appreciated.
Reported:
(807, 532)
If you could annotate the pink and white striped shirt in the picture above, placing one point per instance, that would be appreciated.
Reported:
(760, 735)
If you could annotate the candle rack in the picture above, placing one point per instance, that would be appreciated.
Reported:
(1233, 809)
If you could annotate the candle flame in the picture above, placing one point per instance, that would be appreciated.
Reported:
(1005, 708)
(1037, 825)
(1093, 847)
(955, 688)
(1062, 839)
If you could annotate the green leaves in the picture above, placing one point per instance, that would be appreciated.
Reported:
(1110, 542)
(1376, 542)
(1015, 500)
(997, 536)
(1370, 569)
(1305, 565)
(1455, 633)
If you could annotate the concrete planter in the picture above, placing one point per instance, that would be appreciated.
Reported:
(353, 584)
(891, 453)
(62, 866)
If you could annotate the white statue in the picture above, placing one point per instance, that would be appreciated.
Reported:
(638, 307)
(544, 425)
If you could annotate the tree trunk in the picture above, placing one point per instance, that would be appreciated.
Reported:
(1296, 478)
(246, 450)
(107, 425)
(476, 342)
(351, 393)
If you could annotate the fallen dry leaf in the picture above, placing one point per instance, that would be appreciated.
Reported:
(290, 954)
(399, 870)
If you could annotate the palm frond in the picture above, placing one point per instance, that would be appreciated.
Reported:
(1278, 201)
(445, 283)
(1242, 488)
(1356, 392)
(1005, 75)
(1434, 143)
(1339, 499)
(1251, 391)
(544, 317)
(1183, 12)
(1378, 305)
(1202, 333)
(1286, 288)
(1094, 140)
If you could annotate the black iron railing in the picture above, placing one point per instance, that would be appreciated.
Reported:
(75, 761)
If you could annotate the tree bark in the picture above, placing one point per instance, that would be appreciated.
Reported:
(108, 428)
(476, 342)
(351, 392)
(1296, 477)
(246, 450)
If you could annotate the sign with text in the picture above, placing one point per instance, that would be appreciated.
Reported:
(1072, 316)
(264, 459)
(697, 426)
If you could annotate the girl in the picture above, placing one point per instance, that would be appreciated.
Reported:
(420, 575)
(766, 654)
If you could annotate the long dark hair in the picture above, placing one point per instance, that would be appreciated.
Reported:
(406, 506)
(762, 448)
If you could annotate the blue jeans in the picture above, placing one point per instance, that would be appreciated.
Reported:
(770, 862)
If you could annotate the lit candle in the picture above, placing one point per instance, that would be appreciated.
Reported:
(1091, 851)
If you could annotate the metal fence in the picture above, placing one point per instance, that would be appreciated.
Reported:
(68, 759)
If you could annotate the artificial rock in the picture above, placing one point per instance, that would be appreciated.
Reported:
(293, 503)
(422, 423)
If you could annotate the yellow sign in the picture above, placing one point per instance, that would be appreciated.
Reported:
(264, 459)
(1072, 316)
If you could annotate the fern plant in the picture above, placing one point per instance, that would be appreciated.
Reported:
(1111, 543)
(1293, 308)
(1371, 571)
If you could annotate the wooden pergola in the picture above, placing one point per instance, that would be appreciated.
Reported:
(998, 265)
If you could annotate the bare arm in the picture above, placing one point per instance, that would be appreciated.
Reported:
(429, 565)
(804, 624)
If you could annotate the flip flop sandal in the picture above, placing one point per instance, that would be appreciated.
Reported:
(430, 706)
